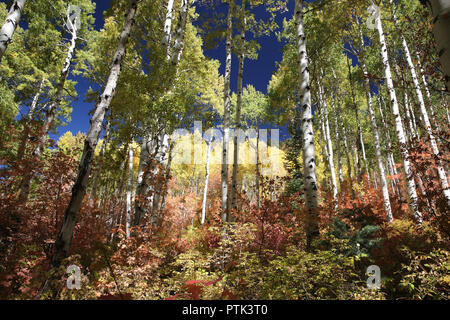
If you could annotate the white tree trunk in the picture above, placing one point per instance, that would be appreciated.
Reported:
(62, 244)
(408, 118)
(389, 155)
(337, 134)
(257, 174)
(34, 103)
(355, 162)
(344, 131)
(168, 25)
(227, 114)
(180, 32)
(52, 108)
(326, 183)
(129, 189)
(146, 156)
(309, 159)
(376, 138)
(327, 136)
(441, 172)
(10, 25)
(167, 176)
(411, 185)
(29, 117)
(205, 190)
(427, 90)
(359, 130)
(100, 160)
(51, 111)
(237, 129)
(161, 158)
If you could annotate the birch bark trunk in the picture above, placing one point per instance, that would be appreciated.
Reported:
(427, 90)
(337, 133)
(328, 142)
(180, 32)
(360, 143)
(10, 25)
(168, 25)
(309, 159)
(28, 120)
(411, 185)
(167, 176)
(376, 138)
(441, 172)
(237, 131)
(129, 189)
(344, 133)
(100, 160)
(177, 50)
(389, 155)
(52, 108)
(51, 111)
(227, 112)
(63, 242)
(205, 190)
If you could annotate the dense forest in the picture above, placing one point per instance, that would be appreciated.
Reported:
(190, 183)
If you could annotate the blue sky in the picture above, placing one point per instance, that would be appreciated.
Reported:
(257, 72)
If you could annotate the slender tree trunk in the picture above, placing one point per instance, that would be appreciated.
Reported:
(100, 160)
(337, 133)
(29, 118)
(168, 25)
(376, 138)
(180, 32)
(238, 126)
(360, 143)
(258, 173)
(344, 134)
(309, 159)
(129, 188)
(227, 113)
(391, 173)
(325, 182)
(64, 239)
(355, 162)
(427, 90)
(413, 118)
(440, 10)
(328, 141)
(411, 185)
(167, 176)
(389, 154)
(408, 122)
(51, 111)
(205, 190)
(161, 158)
(146, 157)
(10, 25)
(347, 150)
(118, 192)
(441, 172)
